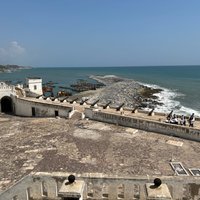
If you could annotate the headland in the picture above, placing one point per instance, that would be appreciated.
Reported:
(12, 68)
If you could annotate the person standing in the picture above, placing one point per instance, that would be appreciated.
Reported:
(191, 120)
(183, 121)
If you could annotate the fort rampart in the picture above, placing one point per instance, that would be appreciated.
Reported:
(6, 90)
(144, 124)
(28, 108)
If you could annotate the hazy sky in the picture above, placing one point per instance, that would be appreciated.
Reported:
(67, 33)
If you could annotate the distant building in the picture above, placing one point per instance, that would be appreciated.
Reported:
(34, 84)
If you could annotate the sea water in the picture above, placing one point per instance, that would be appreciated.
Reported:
(180, 84)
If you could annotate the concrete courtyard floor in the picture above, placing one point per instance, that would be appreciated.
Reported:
(81, 146)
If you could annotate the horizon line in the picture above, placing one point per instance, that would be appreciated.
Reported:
(115, 66)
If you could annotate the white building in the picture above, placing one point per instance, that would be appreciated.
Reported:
(5, 97)
(34, 84)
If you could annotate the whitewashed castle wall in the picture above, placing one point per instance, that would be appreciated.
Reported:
(158, 127)
(35, 85)
(6, 90)
(24, 108)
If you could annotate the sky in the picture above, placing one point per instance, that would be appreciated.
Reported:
(81, 33)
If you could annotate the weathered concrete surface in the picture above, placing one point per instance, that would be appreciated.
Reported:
(96, 186)
(81, 146)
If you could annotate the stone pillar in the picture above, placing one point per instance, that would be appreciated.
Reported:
(97, 192)
(36, 189)
(72, 189)
(157, 190)
(112, 191)
(51, 188)
(128, 191)
(142, 192)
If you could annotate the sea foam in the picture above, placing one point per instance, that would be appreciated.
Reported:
(168, 98)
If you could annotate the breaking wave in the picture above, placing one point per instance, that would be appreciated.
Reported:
(169, 100)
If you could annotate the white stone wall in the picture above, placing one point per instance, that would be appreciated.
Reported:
(31, 187)
(23, 107)
(97, 185)
(6, 90)
(34, 85)
(153, 126)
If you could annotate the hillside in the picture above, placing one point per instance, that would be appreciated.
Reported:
(11, 68)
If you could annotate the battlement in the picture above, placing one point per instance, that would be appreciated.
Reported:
(4, 86)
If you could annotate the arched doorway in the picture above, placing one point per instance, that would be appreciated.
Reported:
(6, 104)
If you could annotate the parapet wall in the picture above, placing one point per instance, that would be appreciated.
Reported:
(41, 185)
(144, 124)
(4, 86)
(6, 90)
(23, 107)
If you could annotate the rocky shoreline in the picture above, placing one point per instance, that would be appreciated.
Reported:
(119, 90)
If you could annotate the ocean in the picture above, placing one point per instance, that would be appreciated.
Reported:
(180, 84)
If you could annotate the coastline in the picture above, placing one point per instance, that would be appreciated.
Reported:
(12, 68)
(180, 92)
(121, 90)
(134, 94)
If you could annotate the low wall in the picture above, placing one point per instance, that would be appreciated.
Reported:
(23, 107)
(43, 185)
(31, 187)
(147, 125)
(6, 92)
